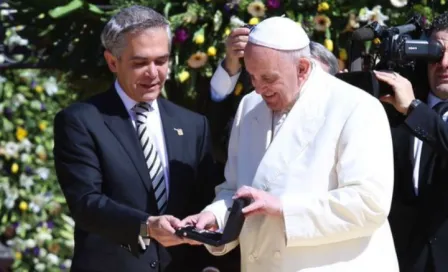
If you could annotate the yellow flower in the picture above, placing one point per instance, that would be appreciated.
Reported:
(321, 23)
(376, 41)
(324, 6)
(39, 89)
(14, 168)
(211, 51)
(328, 43)
(197, 60)
(199, 39)
(18, 255)
(21, 133)
(23, 206)
(43, 125)
(254, 21)
(227, 31)
(183, 76)
(256, 9)
(343, 54)
(238, 89)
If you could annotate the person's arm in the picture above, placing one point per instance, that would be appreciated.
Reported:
(222, 84)
(429, 127)
(80, 176)
(226, 190)
(361, 202)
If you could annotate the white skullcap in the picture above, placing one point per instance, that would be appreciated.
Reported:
(279, 33)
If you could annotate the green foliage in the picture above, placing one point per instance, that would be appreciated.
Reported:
(33, 212)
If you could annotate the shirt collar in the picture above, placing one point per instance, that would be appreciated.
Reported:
(128, 102)
(433, 100)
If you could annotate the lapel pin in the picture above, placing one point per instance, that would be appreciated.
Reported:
(180, 132)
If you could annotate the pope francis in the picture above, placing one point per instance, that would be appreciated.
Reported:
(315, 155)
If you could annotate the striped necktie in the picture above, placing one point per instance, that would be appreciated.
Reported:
(153, 161)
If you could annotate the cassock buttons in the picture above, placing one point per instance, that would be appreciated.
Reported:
(251, 258)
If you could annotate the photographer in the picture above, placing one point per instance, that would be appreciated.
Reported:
(419, 213)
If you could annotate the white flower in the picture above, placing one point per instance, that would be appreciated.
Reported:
(236, 22)
(12, 149)
(42, 252)
(369, 16)
(26, 145)
(53, 259)
(51, 86)
(30, 243)
(43, 236)
(43, 172)
(2, 79)
(14, 39)
(28, 74)
(39, 267)
(11, 198)
(34, 207)
(25, 158)
(26, 181)
(2, 58)
(399, 3)
(18, 100)
(67, 263)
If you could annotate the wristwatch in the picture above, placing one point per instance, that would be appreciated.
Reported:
(413, 105)
(144, 232)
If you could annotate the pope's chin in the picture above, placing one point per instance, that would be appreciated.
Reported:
(271, 101)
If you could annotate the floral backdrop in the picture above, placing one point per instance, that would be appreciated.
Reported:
(35, 221)
(34, 217)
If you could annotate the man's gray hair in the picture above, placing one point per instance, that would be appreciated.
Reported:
(131, 20)
(319, 52)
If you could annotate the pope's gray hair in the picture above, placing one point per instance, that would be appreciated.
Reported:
(133, 19)
(295, 55)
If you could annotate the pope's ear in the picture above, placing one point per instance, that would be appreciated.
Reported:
(303, 68)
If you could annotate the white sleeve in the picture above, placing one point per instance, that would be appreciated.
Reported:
(362, 201)
(225, 191)
(221, 84)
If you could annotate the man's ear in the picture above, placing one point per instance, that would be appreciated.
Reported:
(111, 61)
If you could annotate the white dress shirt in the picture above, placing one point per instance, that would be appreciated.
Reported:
(154, 124)
(221, 84)
(432, 101)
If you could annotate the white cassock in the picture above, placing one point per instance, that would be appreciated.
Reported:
(331, 164)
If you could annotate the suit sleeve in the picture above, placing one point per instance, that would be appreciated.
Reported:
(361, 202)
(429, 127)
(80, 177)
(226, 190)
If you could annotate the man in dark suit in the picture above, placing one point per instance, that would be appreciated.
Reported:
(419, 212)
(130, 163)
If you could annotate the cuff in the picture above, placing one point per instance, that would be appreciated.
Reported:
(222, 84)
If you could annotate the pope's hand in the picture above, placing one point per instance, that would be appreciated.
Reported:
(263, 202)
(204, 220)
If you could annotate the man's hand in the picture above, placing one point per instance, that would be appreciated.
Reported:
(235, 44)
(264, 203)
(403, 91)
(162, 228)
(204, 220)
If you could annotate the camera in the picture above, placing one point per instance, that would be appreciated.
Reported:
(395, 49)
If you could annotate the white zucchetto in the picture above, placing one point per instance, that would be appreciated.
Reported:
(279, 33)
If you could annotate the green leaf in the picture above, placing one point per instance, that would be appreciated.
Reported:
(64, 10)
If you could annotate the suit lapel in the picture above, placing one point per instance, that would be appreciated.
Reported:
(173, 133)
(119, 122)
(301, 125)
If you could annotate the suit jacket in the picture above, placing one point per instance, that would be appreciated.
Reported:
(102, 172)
(330, 164)
(419, 222)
